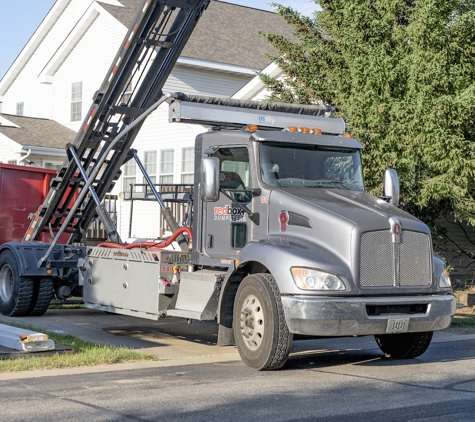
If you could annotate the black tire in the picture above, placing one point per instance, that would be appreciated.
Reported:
(42, 295)
(16, 293)
(261, 333)
(404, 346)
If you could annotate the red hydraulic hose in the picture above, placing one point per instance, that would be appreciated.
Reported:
(151, 245)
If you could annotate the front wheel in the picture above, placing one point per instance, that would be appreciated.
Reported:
(262, 336)
(16, 293)
(404, 346)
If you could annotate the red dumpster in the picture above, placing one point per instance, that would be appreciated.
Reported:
(22, 191)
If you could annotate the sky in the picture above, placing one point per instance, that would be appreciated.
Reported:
(20, 19)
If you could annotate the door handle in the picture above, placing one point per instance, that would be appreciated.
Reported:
(209, 242)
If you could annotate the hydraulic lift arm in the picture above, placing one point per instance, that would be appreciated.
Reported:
(132, 85)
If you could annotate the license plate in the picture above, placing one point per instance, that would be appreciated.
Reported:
(397, 325)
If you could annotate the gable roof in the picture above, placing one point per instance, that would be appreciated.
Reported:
(226, 33)
(35, 132)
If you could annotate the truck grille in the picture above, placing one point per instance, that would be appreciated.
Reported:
(378, 255)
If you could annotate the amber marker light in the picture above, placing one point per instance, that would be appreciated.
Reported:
(49, 271)
(304, 130)
(252, 128)
(317, 131)
(347, 135)
(293, 129)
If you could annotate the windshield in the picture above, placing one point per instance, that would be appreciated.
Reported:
(303, 165)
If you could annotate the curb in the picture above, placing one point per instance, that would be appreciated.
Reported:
(193, 360)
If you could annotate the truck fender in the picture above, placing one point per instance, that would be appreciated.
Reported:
(233, 277)
(231, 282)
(27, 255)
(269, 255)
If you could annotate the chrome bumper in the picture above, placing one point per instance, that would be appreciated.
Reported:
(349, 316)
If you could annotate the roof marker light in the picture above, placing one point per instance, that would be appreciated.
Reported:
(317, 131)
(293, 129)
(252, 128)
(347, 135)
(304, 130)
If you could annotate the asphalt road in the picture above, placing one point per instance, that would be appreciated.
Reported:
(339, 386)
(349, 381)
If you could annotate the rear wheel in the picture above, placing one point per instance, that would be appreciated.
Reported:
(16, 293)
(261, 333)
(404, 346)
(42, 295)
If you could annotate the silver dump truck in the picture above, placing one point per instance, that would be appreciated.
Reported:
(280, 239)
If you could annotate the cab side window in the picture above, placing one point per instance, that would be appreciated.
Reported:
(234, 170)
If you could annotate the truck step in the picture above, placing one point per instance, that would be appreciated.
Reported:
(198, 295)
(182, 313)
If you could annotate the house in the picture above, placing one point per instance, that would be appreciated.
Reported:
(56, 75)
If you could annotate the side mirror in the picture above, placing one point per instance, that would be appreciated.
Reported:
(209, 179)
(391, 186)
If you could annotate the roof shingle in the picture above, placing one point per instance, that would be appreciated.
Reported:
(226, 33)
(37, 132)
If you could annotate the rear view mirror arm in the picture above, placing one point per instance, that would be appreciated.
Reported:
(253, 216)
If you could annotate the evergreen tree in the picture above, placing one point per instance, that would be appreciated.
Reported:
(402, 75)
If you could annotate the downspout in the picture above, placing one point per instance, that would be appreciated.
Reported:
(28, 153)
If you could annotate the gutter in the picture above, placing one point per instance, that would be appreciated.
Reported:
(224, 67)
(55, 152)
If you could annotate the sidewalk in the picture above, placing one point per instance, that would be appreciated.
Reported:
(167, 338)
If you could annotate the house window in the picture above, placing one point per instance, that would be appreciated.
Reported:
(187, 165)
(76, 101)
(166, 165)
(127, 93)
(150, 164)
(11, 162)
(52, 166)
(129, 175)
(20, 109)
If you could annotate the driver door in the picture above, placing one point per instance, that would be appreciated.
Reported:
(227, 226)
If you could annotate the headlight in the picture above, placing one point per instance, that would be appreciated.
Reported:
(444, 280)
(308, 279)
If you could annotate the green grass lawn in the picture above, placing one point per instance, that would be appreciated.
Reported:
(464, 322)
(85, 353)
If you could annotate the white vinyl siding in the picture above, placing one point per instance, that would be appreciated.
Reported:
(204, 81)
(26, 87)
(91, 71)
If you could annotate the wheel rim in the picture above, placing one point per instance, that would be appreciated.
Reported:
(6, 283)
(252, 322)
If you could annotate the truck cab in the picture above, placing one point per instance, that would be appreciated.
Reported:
(287, 213)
